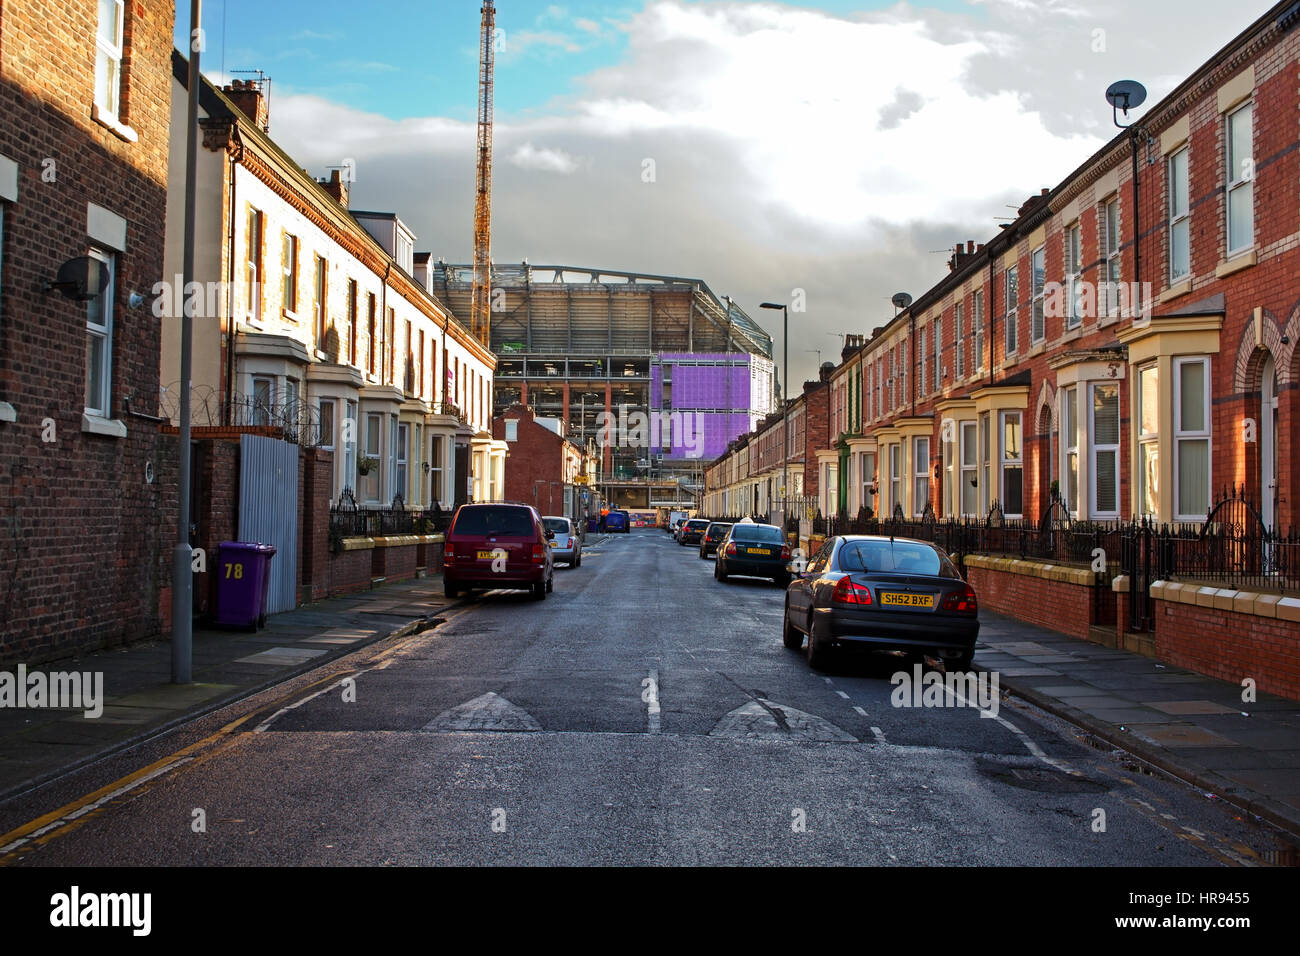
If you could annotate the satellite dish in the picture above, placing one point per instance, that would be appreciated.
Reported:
(901, 300)
(81, 279)
(1124, 95)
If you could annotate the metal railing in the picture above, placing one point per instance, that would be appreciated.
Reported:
(349, 520)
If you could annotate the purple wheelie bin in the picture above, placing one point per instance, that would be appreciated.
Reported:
(243, 580)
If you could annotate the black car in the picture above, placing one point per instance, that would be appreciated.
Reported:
(756, 550)
(883, 594)
(713, 535)
(693, 531)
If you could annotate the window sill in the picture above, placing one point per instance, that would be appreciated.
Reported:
(96, 425)
(1242, 260)
(8, 413)
(1037, 349)
(120, 130)
(290, 315)
(1174, 291)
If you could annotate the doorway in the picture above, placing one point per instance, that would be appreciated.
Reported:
(1268, 431)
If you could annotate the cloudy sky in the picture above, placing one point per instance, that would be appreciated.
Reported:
(838, 147)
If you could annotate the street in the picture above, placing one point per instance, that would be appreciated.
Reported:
(644, 713)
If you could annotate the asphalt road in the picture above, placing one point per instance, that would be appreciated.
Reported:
(644, 713)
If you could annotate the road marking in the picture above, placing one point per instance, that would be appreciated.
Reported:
(1032, 747)
(488, 711)
(842, 694)
(861, 712)
(878, 734)
(828, 680)
(766, 720)
(650, 694)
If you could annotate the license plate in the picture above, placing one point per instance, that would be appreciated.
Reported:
(489, 555)
(906, 600)
(758, 551)
(555, 544)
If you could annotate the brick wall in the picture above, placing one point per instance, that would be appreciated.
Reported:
(81, 529)
(394, 563)
(349, 572)
(1230, 646)
(534, 473)
(1057, 605)
(817, 421)
(316, 468)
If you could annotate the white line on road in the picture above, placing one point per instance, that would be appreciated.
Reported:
(877, 733)
(842, 694)
(1032, 747)
(650, 694)
(861, 712)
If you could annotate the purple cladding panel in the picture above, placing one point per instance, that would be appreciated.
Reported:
(711, 403)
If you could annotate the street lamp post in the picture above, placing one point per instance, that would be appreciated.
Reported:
(785, 405)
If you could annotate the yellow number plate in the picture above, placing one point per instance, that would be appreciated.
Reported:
(906, 600)
(488, 555)
(555, 544)
(758, 550)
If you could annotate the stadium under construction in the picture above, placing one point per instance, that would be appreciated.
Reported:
(597, 348)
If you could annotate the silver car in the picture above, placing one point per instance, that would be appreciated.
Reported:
(566, 546)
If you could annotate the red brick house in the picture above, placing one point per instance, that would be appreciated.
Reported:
(87, 504)
(545, 469)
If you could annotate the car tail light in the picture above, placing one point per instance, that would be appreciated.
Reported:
(962, 601)
(539, 553)
(785, 552)
(731, 548)
(449, 555)
(847, 591)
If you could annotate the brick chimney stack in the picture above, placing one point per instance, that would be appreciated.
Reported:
(247, 95)
(336, 186)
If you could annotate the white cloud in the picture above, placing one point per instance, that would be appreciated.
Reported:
(528, 156)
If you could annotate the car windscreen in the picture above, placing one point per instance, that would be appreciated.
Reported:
(756, 532)
(894, 557)
(558, 525)
(717, 528)
(510, 522)
(697, 525)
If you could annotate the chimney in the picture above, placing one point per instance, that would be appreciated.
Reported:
(247, 95)
(336, 186)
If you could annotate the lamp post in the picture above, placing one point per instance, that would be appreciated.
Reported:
(785, 405)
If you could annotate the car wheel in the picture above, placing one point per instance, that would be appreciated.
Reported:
(818, 651)
(539, 591)
(719, 572)
(791, 636)
(550, 584)
(960, 663)
(451, 590)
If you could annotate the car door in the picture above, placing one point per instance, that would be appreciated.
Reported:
(800, 590)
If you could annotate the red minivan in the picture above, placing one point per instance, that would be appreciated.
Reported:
(498, 546)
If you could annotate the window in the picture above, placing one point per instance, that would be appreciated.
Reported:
(1149, 440)
(1038, 279)
(920, 474)
(1012, 464)
(969, 470)
(1070, 448)
(435, 470)
(977, 324)
(959, 346)
(1240, 177)
(370, 334)
(1105, 450)
(893, 382)
(263, 399)
(319, 301)
(99, 341)
(938, 353)
(327, 436)
(422, 372)
(390, 332)
(370, 482)
(1191, 439)
(290, 398)
(986, 465)
(1013, 295)
(352, 322)
(1180, 255)
(289, 288)
(868, 470)
(925, 357)
(895, 476)
(400, 487)
(1110, 250)
(108, 57)
(253, 258)
(350, 445)
(1073, 277)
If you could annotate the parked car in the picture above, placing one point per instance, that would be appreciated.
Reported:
(883, 594)
(618, 521)
(713, 535)
(754, 550)
(566, 546)
(498, 546)
(693, 531)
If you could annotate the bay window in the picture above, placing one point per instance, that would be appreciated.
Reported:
(1104, 450)
(1191, 439)
(1070, 449)
(1012, 464)
(895, 476)
(1148, 480)
(968, 480)
(920, 474)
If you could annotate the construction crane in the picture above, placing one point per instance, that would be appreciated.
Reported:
(480, 299)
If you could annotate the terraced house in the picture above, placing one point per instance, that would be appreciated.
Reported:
(1121, 350)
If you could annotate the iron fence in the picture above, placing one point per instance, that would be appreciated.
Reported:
(348, 519)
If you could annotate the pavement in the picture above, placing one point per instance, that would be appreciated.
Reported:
(1189, 726)
(1193, 727)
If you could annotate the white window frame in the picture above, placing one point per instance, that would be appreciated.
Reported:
(108, 59)
(1183, 435)
(867, 469)
(375, 431)
(1011, 279)
(1073, 275)
(1147, 439)
(925, 358)
(920, 474)
(969, 470)
(401, 461)
(977, 325)
(253, 260)
(1240, 179)
(1006, 463)
(260, 412)
(959, 347)
(102, 404)
(938, 352)
(1179, 217)
(1095, 448)
(1069, 444)
(289, 269)
(986, 423)
(1038, 293)
(436, 490)
(895, 475)
(1111, 252)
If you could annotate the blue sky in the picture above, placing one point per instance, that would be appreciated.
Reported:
(401, 58)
